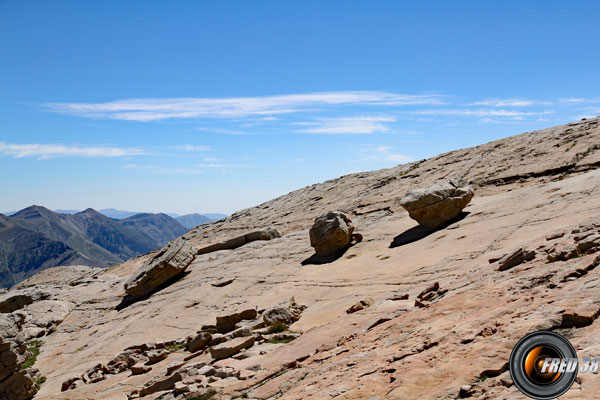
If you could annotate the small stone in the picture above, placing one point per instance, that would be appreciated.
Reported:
(199, 342)
(514, 258)
(155, 356)
(361, 305)
(174, 366)
(139, 369)
(234, 346)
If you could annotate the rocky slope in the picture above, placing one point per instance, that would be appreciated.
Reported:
(406, 313)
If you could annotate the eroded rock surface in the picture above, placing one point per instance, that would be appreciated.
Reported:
(538, 191)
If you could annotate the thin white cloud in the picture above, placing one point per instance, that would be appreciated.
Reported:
(348, 125)
(152, 109)
(579, 100)
(506, 103)
(384, 153)
(482, 112)
(221, 131)
(48, 151)
(192, 147)
(155, 169)
(199, 168)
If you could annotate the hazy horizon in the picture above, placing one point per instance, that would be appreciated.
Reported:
(216, 107)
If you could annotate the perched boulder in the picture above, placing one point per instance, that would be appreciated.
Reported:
(226, 323)
(170, 262)
(331, 233)
(262, 234)
(437, 204)
(231, 347)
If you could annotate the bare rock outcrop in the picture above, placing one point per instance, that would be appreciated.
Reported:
(437, 204)
(331, 233)
(16, 383)
(17, 299)
(170, 262)
(239, 241)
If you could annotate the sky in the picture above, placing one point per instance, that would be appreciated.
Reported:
(215, 106)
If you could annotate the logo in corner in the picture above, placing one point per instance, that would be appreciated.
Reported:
(543, 365)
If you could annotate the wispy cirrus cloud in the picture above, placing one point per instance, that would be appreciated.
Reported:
(192, 147)
(385, 153)
(48, 151)
(196, 169)
(482, 112)
(507, 103)
(153, 109)
(348, 125)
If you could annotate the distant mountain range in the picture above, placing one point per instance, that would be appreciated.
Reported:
(36, 238)
(188, 220)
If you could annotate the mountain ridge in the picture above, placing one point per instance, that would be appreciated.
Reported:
(86, 238)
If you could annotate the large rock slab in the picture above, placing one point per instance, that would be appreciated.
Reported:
(231, 347)
(170, 262)
(437, 204)
(230, 244)
(331, 233)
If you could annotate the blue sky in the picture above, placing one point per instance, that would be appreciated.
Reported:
(198, 106)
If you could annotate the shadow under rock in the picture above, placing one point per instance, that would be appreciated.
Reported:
(129, 300)
(316, 259)
(419, 232)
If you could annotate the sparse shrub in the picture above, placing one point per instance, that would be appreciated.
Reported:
(276, 341)
(175, 347)
(33, 350)
(277, 327)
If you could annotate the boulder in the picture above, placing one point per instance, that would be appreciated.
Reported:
(231, 347)
(437, 204)
(226, 323)
(285, 315)
(239, 241)
(170, 262)
(199, 342)
(331, 233)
